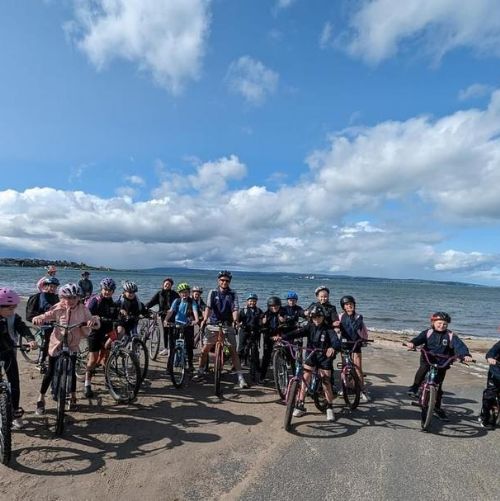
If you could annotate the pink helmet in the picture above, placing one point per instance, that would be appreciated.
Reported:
(9, 297)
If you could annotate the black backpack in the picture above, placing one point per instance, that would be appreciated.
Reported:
(33, 307)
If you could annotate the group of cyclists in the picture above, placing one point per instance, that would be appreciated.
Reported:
(107, 319)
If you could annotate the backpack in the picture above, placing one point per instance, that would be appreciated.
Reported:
(97, 297)
(430, 331)
(33, 306)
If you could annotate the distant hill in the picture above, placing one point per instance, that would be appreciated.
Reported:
(40, 263)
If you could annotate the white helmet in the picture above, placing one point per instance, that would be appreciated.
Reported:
(69, 290)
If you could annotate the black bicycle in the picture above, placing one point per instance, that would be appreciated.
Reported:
(178, 359)
(149, 332)
(5, 416)
(251, 355)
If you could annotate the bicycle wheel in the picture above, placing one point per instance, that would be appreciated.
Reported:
(281, 372)
(429, 402)
(219, 362)
(81, 361)
(320, 399)
(253, 355)
(31, 354)
(63, 375)
(290, 403)
(141, 352)
(153, 339)
(178, 367)
(351, 388)
(494, 413)
(5, 426)
(123, 375)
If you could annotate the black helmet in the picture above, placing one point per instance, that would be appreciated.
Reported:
(274, 301)
(316, 311)
(225, 273)
(321, 288)
(347, 299)
(441, 315)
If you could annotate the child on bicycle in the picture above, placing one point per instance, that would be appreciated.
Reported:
(441, 341)
(130, 308)
(492, 391)
(352, 328)
(322, 294)
(273, 321)
(185, 310)
(320, 336)
(250, 319)
(68, 311)
(11, 325)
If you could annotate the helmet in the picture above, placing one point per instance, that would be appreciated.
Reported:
(252, 296)
(441, 315)
(197, 288)
(292, 295)
(85, 273)
(321, 288)
(317, 311)
(225, 273)
(51, 281)
(69, 290)
(9, 297)
(347, 299)
(51, 269)
(169, 279)
(108, 283)
(129, 286)
(274, 301)
(183, 286)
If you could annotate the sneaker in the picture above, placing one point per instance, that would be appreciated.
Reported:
(164, 352)
(340, 392)
(299, 410)
(412, 392)
(40, 408)
(199, 375)
(485, 423)
(17, 423)
(88, 392)
(242, 382)
(330, 415)
(441, 414)
(364, 397)
(71, 406)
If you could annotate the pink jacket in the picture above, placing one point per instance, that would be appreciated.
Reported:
(62, 315)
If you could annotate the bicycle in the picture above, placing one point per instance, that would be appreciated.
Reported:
(5, 417)
(314, 388)
(149, 332)
(251, 354)
(32, 355)
(283, 368)
(61, 381)
(135, 344)
(221, 345)
(177, 366)
(350, 382)
(428, 390)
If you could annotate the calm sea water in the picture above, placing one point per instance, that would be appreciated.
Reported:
(387, 305)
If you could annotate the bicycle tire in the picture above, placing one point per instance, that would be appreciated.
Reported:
(178, 367)
(218, 363)
(154, 340)
(122, 375)
(141, 352)
(494, 414)
(253, 355)
(319, 398)
(5, 427)
(31, 354)
(61, 393)
(429, 401)
(281, 373)
(290, 404)
(81, 362)
(351, 388)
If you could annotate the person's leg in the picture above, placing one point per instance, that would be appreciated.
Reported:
(12, 371)
(189, 340)
(266, 356)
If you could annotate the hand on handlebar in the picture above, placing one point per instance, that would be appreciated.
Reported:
(468, 358)
(410, 346)
(330, 352)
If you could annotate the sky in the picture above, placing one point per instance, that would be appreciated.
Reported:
(312, 136)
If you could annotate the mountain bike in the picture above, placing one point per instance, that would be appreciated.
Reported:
(251, 354)
(221, 351)
(178, 360)
(428, 391)
(5, 417)
(283, 368)
(135, 344)
(350, 382)
(61, 381)
(149, 332)
(314, 388)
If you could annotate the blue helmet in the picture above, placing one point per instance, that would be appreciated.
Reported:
(292, 295)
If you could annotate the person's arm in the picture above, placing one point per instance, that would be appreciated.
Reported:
(155, 300)
(195, 313)
(362, 331)
(418, 340)
(493, 354)
(21, 328)
(460, 348)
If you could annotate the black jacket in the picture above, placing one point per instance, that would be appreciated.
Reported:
(164, 299)
(318, 336)
(6, 341)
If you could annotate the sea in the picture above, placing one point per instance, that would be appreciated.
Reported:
(394, 306)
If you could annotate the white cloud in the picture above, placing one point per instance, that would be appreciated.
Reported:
(165, 38)
(252, 80)
(284, 4)
(452, 260)
(475, 91)
(325, 38)
(381, 28)
(136, 180)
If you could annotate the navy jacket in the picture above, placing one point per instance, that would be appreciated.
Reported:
(320, 336)
(440, 343)
(6, 340)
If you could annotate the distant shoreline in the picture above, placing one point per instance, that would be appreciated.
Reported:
(41, 263)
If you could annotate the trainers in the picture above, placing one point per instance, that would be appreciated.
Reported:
(164, 352)
(441, 414)
(330, 415)
(412, 392)
(299, 410)
(364, 397)
(242, 382)
(40, 408)
(485, 423)
(17, 423)
(88, 392)
(199, 375)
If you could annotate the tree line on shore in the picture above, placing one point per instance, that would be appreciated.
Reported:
(40, 263)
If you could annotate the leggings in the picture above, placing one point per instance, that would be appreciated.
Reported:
(12, 372)
(50, 374)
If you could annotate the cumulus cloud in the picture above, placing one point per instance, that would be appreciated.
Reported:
(165, 38)
(252, 80)
(325, 38)
(475, 91)
(136, 180)
(452, 260)
(380, 29)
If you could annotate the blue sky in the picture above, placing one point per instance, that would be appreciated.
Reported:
(360, 138)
